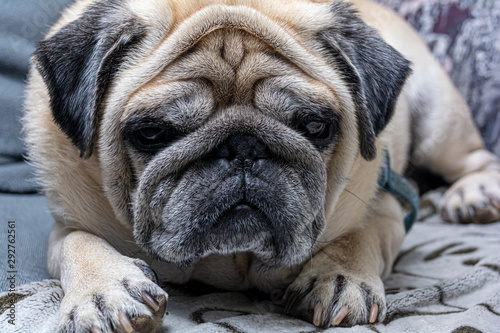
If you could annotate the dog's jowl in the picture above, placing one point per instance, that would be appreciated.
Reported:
(240, 144)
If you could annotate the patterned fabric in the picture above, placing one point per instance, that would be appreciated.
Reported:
(446, 279)
(465, 37)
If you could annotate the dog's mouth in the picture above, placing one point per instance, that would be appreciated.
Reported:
(242, 226)
(240, 212)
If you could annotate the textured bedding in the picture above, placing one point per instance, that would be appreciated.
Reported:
(446, 278)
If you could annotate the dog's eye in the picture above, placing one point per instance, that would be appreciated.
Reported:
(149, 135)
(153, 138)
(318, 130)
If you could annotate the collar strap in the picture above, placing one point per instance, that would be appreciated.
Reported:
(397, 185)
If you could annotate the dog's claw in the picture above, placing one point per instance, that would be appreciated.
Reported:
(148, 271)
(142, 324)
(95, 330)
(318, 314)
(343, 312)
(151, 274)
(373, 313)
(153, 304)
(495, 203)
(125, 322)
(163, 306)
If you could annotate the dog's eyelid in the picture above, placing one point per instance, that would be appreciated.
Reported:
(316, 117)
(136, 124)
(325, 115)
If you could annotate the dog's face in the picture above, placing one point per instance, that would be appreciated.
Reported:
(230, 159)
(222, 129)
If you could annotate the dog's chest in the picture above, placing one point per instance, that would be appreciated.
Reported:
(241, 271)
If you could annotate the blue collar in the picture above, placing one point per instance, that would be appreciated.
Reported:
(397, 185)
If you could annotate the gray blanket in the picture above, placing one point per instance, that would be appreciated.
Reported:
(446, 279)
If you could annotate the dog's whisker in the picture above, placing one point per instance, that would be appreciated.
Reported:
(367, 205)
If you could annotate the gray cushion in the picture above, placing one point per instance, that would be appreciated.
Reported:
(32, 227)
(22, 24)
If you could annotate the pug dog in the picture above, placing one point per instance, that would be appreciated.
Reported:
(240, 144)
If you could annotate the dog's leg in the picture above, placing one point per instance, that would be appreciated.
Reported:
(448, 143)
(104, 290)
(342, 283)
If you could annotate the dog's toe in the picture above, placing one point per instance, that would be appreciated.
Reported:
(132, 304)
(341, 300)
(474, 198)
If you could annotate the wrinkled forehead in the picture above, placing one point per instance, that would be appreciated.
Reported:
(306, 16)
(288, 28)
(229, 67)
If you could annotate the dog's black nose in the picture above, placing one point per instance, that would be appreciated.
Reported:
(242, 147)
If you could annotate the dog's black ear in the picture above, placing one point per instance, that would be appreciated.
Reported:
(77, 64)
(373, 70)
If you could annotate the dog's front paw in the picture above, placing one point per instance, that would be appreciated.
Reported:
(474, 198)
(335, 297)
(125, 300)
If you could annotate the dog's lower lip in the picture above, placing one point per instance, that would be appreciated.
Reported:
(243, 206)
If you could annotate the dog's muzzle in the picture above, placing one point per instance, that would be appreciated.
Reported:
(240, 196)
